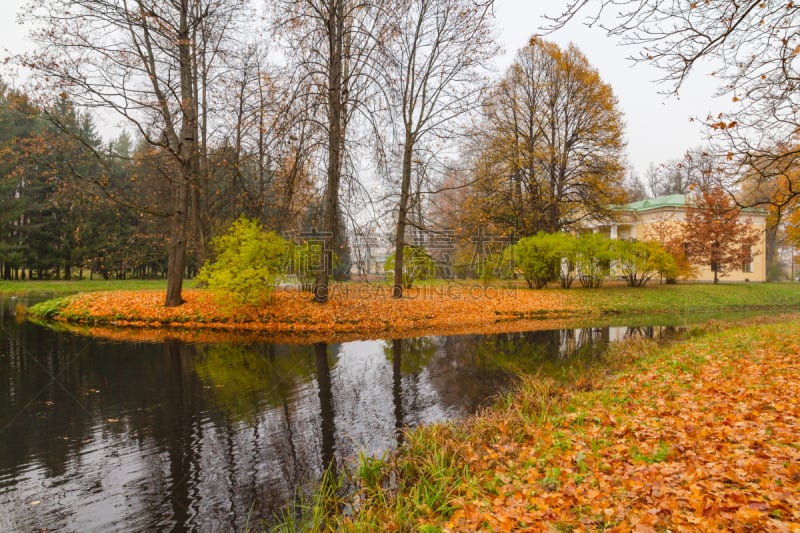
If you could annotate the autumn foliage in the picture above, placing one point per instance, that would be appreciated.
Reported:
(715, 233)
(698, 437)
(354, 310)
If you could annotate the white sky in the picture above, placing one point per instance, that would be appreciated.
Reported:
(658, 126)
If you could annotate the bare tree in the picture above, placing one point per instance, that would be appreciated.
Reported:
(139, 59)
(752, 47)
(634, 188)
(266, 141)
(436, 65)
(333, 45)
(696, 169)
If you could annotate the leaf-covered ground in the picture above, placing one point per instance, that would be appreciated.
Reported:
(704, 436)
(353, 311)
(367, 311)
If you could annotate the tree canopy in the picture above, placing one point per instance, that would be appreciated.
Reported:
(549, 147)
(751, 47)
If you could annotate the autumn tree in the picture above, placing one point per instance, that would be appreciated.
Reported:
(716, 234)
(752, 47)
(50, 214)
(146, 61)
(551, 149)
(71, 206)
(773, 183)
(436, 64)
(20, 124)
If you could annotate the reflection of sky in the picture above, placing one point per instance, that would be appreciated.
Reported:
(79, 499)
(148, 458)
(364, 403)
(152, 445)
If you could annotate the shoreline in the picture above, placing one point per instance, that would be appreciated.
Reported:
(365, 312)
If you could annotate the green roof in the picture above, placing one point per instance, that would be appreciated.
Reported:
(672, 200)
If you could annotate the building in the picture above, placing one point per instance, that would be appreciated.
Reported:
(647, 219)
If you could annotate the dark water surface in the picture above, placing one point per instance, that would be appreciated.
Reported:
(111, 436)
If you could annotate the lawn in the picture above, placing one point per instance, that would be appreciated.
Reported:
(61, 287)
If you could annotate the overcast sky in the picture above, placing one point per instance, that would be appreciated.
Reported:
(658, 126)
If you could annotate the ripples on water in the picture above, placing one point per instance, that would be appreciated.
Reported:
(110, 436)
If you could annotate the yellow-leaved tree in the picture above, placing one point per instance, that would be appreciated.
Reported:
(550, 143)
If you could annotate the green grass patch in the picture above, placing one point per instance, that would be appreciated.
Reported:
(689, 298)
(62, 287)
(49, 309)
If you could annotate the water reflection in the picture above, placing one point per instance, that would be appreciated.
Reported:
(112, 436)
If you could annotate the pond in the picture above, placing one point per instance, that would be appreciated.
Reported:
(97, 435)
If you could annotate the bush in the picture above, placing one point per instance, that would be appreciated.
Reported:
(248, 259)
(538, 258)
(592, 259)
(417, 265)
(639, 261)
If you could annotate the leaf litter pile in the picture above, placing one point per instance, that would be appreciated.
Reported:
(703, 437)
(353, 311)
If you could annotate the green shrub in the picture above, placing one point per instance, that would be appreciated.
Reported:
(248, 259)
(417, 265)
(592, 259)
(538, 258)
(640, 261)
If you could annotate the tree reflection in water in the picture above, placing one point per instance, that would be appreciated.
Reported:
(138, 436)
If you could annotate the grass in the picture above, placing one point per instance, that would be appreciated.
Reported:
(690, 298)
(63, 287)
(310, 512)
(563, 457)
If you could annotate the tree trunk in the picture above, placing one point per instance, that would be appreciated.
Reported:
(770, 241)
(335, 140)
(179, 226)
(199, 199)
(402, 217)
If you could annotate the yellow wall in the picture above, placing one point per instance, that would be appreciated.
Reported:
(641, 225)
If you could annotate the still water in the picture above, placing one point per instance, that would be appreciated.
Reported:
(106, 436)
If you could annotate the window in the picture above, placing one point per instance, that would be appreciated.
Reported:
(747, 258)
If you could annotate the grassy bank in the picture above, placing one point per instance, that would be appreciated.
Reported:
(368, 311)
(690, 298)
(697, 436)
(62, 287)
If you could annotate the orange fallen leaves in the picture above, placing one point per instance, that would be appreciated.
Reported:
(706, 440)
(354, 311)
